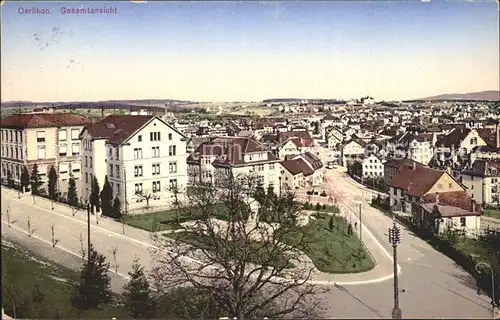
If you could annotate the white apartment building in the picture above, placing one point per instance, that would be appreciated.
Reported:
(47, 139)
(242, 155)
(372, 167)
(482, 180)
(414, 146)
(143, 158)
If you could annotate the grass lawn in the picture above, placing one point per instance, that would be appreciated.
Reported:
(258, 253)
(333, 251)
(166, 220)
(493, 213)
(41, 289)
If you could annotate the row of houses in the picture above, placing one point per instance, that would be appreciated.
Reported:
(144, 158)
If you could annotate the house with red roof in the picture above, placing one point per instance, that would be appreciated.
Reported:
(240, 155)
(141, 155)
(434, 199)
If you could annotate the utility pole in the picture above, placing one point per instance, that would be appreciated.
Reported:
(125, 189)
(395, 239)
(88, 230)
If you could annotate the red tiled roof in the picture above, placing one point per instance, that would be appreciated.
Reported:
(117, 128)
(44, 120)
(283, 136)
(458, 199)
(297, 166)
(303, 142)
(416, 182)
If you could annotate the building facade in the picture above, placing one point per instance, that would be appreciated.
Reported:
(144, 158)
(47, 139)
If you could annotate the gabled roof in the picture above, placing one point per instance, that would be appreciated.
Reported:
(44, 120)
(229, 150)
(116, 128)
(330, 117)
(297, 166)
(283, 136)
(489, 136)
(313, 160)
(484, 168)
(302, 142)
(399, 163)
(452, 204)
(417, 181)
(454, 138)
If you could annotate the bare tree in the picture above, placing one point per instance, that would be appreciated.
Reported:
(247, 266)
(114, 251)
(146, 195)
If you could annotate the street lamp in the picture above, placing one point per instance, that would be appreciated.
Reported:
(484, 265)
(395, 239)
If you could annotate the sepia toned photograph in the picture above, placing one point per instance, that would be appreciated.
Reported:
(250, 159)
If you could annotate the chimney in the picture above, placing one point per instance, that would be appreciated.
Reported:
(437, 197)
(473, 205)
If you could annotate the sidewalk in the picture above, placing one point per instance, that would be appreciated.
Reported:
(142, 239)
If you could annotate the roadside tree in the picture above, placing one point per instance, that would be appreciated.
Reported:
(242, 264)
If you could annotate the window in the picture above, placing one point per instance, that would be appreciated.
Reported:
(110, 170)
(156, 186)
(463, 221)
(117, 171)
(169, 136)
(17, 153)
(40, 136)
(172, 167)
(155, 152)
(75, 149)
(138, 188)
(41, 152)
(118, 189)
(21, 153)
(156, 169)
(74, 134)
(110, 153)
(172, 183)
(90, 162)
(62, 135)
(63, 150)
(260, 167)
(139, 138)
(138, 171)
(117, 153)
(154, 136)
(137, 153)
(271, 166)
(86, 177)
(473, 141)
(91, 177)
(172, 150)
(86, 161)
(395, 191)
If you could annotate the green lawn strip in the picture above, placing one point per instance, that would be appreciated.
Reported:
(493, 213)
(168, 220)
(43, 290)
(332, 251)
(258, 252)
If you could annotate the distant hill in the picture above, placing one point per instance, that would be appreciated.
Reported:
(491, 95)
(96, 104)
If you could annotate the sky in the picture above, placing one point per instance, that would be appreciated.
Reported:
(247, 51)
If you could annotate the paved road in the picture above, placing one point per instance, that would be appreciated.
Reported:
(434, 285)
